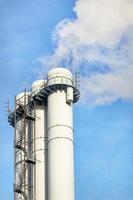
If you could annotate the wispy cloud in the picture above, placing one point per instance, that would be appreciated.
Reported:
(98, 43)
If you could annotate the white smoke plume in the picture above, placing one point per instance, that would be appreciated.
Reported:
(99, 43)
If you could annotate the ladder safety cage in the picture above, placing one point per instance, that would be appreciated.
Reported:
(23, 148)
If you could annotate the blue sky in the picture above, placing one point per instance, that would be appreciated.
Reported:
(103, 131)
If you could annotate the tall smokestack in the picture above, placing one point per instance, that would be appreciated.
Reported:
(40, 144)
(60, 136)
(44, 151)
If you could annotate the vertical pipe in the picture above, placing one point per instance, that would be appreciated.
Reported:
(14, 147)
(30, 168)
(40, 145)
(60, 139)
(40, 151)
(34, 147)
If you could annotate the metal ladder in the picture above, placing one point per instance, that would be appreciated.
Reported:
(22, 189)
(21, 173)
(21, 177)
(21, 133)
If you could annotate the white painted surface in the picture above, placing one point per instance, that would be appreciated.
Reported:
(37, 86)
(39, 177)
(40, 152)
(60, 75)
(60, 148)
(22, 98)
(69, 95)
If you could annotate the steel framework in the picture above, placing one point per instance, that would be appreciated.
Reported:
(24, 159)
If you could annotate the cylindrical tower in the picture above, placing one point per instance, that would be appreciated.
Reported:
(20, 141)
(40, 145)
(44, 151)
(60, 135)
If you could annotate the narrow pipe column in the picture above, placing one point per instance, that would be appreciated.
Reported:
(20, 181)
(60, 138)
(40, 148)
